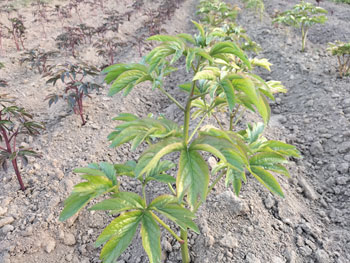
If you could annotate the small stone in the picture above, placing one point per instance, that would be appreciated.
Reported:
(343, 168)
(321, 256)
(251, 258)
(28, 232)
(6, 221)
(212, 162)
(305, 251)
(344, 147)
(7, 228)
(342, 180)
(37, 166)
(3, 210)
(166, 245)
(276, 259)
(234, 204)
(229, 241)
(209, 240)
(309, 192)
(69, 239)
(316, 149)
(269, 202)
(50, 245)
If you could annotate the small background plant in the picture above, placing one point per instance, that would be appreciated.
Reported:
(256, 5)
(76, 85)
(342, 51)
(303, 15)
(15, 124)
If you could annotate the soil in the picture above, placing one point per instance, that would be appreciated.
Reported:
(311, 224)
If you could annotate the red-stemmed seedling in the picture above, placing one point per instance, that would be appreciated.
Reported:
(76, 87)
(17, 31)
(71, 38)
(107, 48)
(40, 13)
(15, 121)
(38, 58)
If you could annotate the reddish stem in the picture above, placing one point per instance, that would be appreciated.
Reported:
(15, 167)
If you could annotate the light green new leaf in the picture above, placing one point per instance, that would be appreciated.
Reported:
(235, 178)
(119, 234)
(193, 177)
(267, 179)
(150, 234)
(281, 148)
(267, 158)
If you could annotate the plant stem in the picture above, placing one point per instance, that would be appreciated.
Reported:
(184, 247)
(172, 99)
(232, 116)
(161, 222)
(197, 127)
(217, 120)
(15, 167)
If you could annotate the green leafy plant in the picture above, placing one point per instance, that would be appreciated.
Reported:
(15, 123)
(342, 51)
(78, 83)
(257, 5)
(215, 12)
(303, 15)
(38, 58)
(222, 80)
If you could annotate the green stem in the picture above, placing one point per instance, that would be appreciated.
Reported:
(232, 116)
(172, 189)
(217, 120)
(184, 247)
(199, 96)
(161, 222)
(144, 192)
(240, 116)
(172, 99)
(197, 127)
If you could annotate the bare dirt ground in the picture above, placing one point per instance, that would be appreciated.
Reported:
(310, 225)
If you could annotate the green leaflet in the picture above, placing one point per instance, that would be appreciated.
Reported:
(229, 92)
(266, 158)
(150, 234)
(139, 130)
(150, 158)
(98, 183)
(193, 177)
(235, 178)
(121, 201)
(119, 234)
(169, 206)
(127, 79)
(229, 48)
(267, 179)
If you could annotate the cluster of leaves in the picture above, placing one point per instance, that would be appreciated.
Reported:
(342, 51)
(72, 37)
(38, 58)
(303, 16)
(219, 18)
(15, 121)
(76, 86)
(257, 5)
(108, 47)
(40, 13)
(222, 79)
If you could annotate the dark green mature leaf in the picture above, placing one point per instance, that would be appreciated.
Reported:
(119, 234)
(267, 158)
(267, 179)
(193, 177)
(235, 178)
(150, 234)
